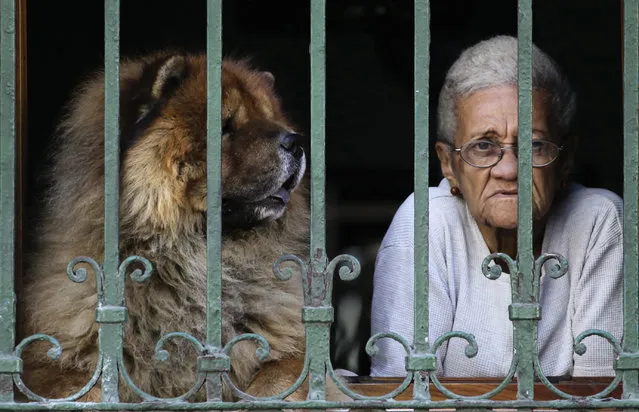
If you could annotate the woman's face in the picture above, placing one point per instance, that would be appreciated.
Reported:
(491, 193)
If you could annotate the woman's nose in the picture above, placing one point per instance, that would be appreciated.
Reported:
(506, 168)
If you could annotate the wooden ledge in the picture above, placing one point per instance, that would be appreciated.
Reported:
(477, 386)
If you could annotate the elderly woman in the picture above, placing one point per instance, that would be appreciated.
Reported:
(473, 212)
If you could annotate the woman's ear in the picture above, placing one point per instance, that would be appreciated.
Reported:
(445, 155)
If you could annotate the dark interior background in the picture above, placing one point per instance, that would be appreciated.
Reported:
(369, 124)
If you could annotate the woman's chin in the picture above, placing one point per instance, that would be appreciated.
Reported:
(504, 223)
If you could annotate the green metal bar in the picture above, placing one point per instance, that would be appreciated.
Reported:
(318, 350)
(214, 192)
(7, 190)
(422, 71)
(110, 334)
(525, 333)
(630, 193)
(318, 132)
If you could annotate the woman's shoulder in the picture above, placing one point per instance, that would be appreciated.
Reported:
(581, 200)
(442, 207)
(439, 200)
(592, 209)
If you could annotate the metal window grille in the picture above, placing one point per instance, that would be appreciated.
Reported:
(420, 356)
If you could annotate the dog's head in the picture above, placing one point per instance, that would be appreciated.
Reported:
(164, 143)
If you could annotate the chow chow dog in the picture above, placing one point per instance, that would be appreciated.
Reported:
(163, 217)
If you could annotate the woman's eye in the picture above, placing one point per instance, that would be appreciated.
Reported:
(483, 146)
(538, 145)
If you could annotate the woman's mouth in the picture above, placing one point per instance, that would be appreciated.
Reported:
(505, 194)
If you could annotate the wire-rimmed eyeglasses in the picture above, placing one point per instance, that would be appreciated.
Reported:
(486, 153)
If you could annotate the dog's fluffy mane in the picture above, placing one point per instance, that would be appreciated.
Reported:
(155, 224)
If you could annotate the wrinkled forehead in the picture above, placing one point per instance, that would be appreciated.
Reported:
(494, 111)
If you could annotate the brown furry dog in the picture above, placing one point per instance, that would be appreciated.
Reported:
(163, 218)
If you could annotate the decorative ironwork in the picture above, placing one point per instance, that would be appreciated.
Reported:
(54, 353)
(214, 363)
(163, 355)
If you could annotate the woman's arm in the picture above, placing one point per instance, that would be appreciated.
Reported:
(393, 294)
(599, 296)
(392, 309)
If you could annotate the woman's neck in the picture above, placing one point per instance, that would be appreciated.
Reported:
(505, 240)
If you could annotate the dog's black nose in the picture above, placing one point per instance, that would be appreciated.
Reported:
(289, 141)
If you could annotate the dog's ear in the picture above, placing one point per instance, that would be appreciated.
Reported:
(158, 81)
(168, 76)
(268, 76)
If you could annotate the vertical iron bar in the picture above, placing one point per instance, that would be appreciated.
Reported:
(318, 333)
(421, 70)
(213, 184)
(7, 193)
(525, 330)
(630, 193)
(110, 334)
(318, 131)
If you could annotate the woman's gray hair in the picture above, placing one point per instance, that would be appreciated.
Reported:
(492, 63)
